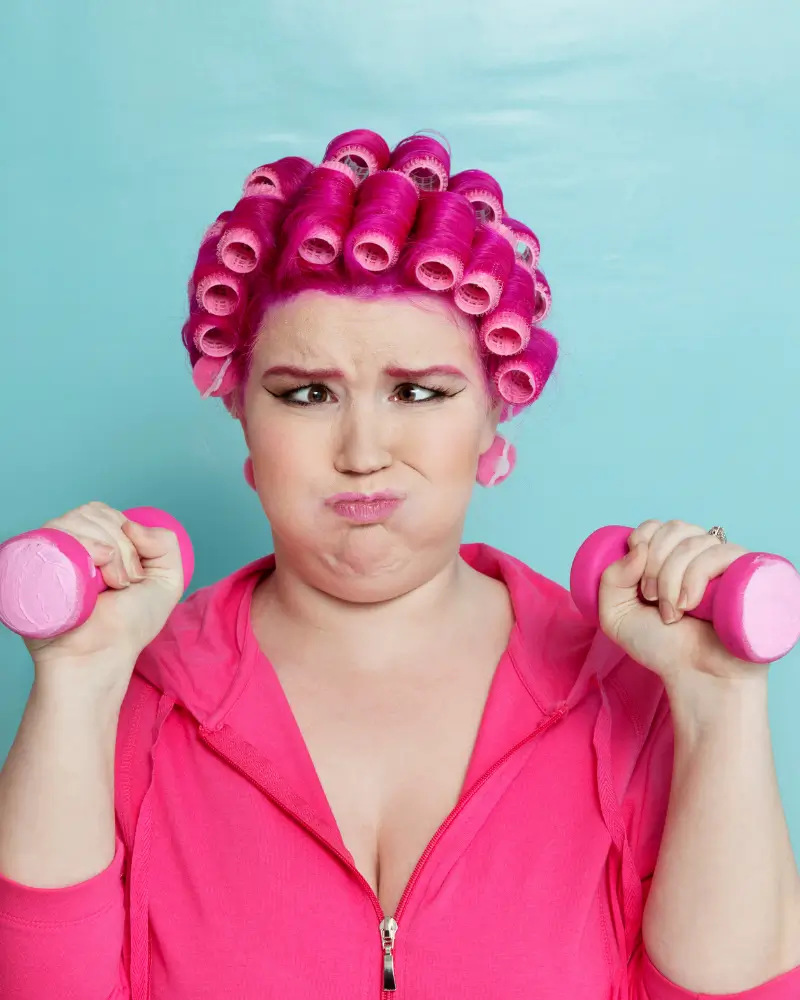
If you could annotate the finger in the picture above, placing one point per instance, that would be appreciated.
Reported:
(113, 520)
(644, 533)
(673, 569)
(663, 541)
(621, 578)
(98, 542)
(711, 562)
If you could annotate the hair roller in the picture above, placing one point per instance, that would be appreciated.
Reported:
(215, 228)
(213, 287)
(520, 379)
(424, 160)
(544, 299)
(214, 336)
(490, 265)
(280, 179)
(507, 330)
(215, 376)
(385, 209)
(364, 152)
(315, 228)
(483, 191)
(249, 236)
(441, 242)
(524, 241)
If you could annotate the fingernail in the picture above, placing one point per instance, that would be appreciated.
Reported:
(649, 590)
(667, 612)
(682, 601)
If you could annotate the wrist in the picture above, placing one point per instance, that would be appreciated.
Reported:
(82, 686)
(701, 702)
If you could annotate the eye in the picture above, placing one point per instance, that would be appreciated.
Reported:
(307, 395)
(410, 393)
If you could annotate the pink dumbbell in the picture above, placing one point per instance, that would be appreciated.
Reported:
(754, 605)
(49, 584)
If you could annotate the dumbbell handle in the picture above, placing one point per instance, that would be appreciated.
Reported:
(49, 583)
(754, 605)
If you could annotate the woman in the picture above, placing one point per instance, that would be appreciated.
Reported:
(379, 761)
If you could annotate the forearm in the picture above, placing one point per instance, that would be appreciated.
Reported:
(57, 789)
(723, 914)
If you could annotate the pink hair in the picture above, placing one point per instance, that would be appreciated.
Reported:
(370, 221)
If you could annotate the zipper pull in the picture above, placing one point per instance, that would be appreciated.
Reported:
(388, 929)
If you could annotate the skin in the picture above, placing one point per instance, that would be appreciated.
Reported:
(365, 431)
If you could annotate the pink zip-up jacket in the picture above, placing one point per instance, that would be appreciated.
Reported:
(231, 880)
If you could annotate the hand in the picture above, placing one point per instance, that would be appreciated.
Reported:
(143, 569)
(669, 560)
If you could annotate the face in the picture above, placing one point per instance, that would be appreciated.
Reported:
(365, 420)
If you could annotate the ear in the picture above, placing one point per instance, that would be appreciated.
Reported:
(490, 426)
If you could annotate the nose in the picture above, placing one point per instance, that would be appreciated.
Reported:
(362, 445)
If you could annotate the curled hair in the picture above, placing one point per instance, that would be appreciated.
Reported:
(440, 249)
(386, 207)
(482, 191)
(364, 152)
(370, 220)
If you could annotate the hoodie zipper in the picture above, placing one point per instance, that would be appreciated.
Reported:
(389, 925)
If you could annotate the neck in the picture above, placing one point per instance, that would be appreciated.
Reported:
(293, 618)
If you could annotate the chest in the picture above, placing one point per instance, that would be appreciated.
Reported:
(510, 896)
(391, 757)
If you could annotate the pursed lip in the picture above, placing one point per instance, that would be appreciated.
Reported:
(383, 496)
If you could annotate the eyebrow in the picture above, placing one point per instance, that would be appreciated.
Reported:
(409, 374)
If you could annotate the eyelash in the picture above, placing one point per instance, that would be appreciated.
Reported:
(440, 393)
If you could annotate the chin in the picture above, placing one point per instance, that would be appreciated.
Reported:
(366, 564)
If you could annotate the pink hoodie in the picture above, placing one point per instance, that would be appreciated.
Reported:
(231, 879)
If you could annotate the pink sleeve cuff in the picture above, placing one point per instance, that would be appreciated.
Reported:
(658, 987)
(28, 905)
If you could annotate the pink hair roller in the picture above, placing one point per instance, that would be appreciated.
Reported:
(442, 241)
(543, 298)
(482, 191)
(364, 152)
(754, 605)
(248, 236)
(280, 179)
(216, 227)
(214, 336)
(490, 265)
(316, 229)
(507, 330)
(424, 160)
(49, 583)
(215, 376)
(524, 241)
(520, 379)
(216, 289)
(497, 463)
(385, 209)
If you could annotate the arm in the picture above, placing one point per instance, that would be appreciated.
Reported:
(61, 894)
(723, 913)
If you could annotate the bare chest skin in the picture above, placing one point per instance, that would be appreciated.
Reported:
(391, 746)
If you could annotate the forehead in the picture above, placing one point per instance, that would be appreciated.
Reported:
(418, 330)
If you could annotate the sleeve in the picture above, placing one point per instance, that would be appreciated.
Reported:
(645, 812)
(66, 942)
(71, 943)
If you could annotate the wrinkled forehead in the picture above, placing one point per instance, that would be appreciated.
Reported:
(346, 331)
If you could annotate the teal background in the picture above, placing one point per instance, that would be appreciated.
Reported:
(654, 148)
